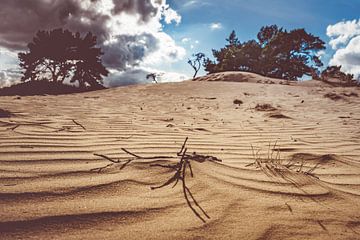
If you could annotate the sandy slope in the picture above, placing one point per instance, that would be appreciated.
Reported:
(48, 191)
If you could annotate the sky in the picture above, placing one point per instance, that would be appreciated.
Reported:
(158, 36)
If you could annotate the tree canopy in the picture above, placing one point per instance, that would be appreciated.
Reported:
(57, 55)
(275, 53)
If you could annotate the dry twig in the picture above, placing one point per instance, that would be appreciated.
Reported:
(180, 169)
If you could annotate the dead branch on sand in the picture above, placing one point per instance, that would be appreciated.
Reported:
(79, 124)
(13, 125)
(180, 174)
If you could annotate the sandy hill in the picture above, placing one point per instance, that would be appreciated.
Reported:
(306, 185)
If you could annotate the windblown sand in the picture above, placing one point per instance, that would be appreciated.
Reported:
(47, 147)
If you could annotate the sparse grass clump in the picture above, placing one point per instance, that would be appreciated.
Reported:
(265, 107)
(273, 165)
(333, 96)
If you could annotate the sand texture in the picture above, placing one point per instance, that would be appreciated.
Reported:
(305, 185)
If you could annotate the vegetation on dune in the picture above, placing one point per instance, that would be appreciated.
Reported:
(335, 72)
(195, 63)
(41, 87)
(275, 53)
(59, 55)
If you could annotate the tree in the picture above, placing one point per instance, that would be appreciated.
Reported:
(276, 53)
(60, 55)
(195, 63)
(267, 34)
(225, 57)
(335, 72)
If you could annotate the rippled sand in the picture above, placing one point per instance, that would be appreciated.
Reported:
(48, 190)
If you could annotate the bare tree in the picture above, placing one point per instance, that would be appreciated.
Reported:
(195, 63)
(154, 76)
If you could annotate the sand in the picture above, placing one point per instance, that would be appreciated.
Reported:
(47, 147)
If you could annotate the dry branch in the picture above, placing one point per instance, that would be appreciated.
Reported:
(79, 124)
(179, 174)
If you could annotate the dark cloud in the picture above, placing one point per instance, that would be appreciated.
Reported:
(142, 7)
(128, 77)
(21, 19)
(129, 50)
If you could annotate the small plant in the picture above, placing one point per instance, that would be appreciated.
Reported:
(274, 166)
(265, 107)
(333, 96)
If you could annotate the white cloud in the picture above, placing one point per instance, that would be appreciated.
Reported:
(9, 77)
(345, 40)
(215, 26)
(342, 32)
(321, 54)
(185, 40)
(349, 57)
(191, 4)
(170, 15)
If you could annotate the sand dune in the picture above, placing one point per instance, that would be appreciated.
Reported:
(47, 147)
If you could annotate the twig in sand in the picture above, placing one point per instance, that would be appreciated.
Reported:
(12, 125)
(180, 169)
(79, 124)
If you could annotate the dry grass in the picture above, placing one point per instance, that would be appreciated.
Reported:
(333, 96)
(273, 165)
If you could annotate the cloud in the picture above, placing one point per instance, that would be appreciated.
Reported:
(10, 73)
(185, 40)
(342, 32)
(128, 77)
(170, 15)
(129, 50)
(130, 32)
(139, 76)
(9, 77)
(191, 4)
(349, 57)
(215, 26)
(345, 40)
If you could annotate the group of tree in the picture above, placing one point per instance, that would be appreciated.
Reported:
(275, 53)
(59, 55)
